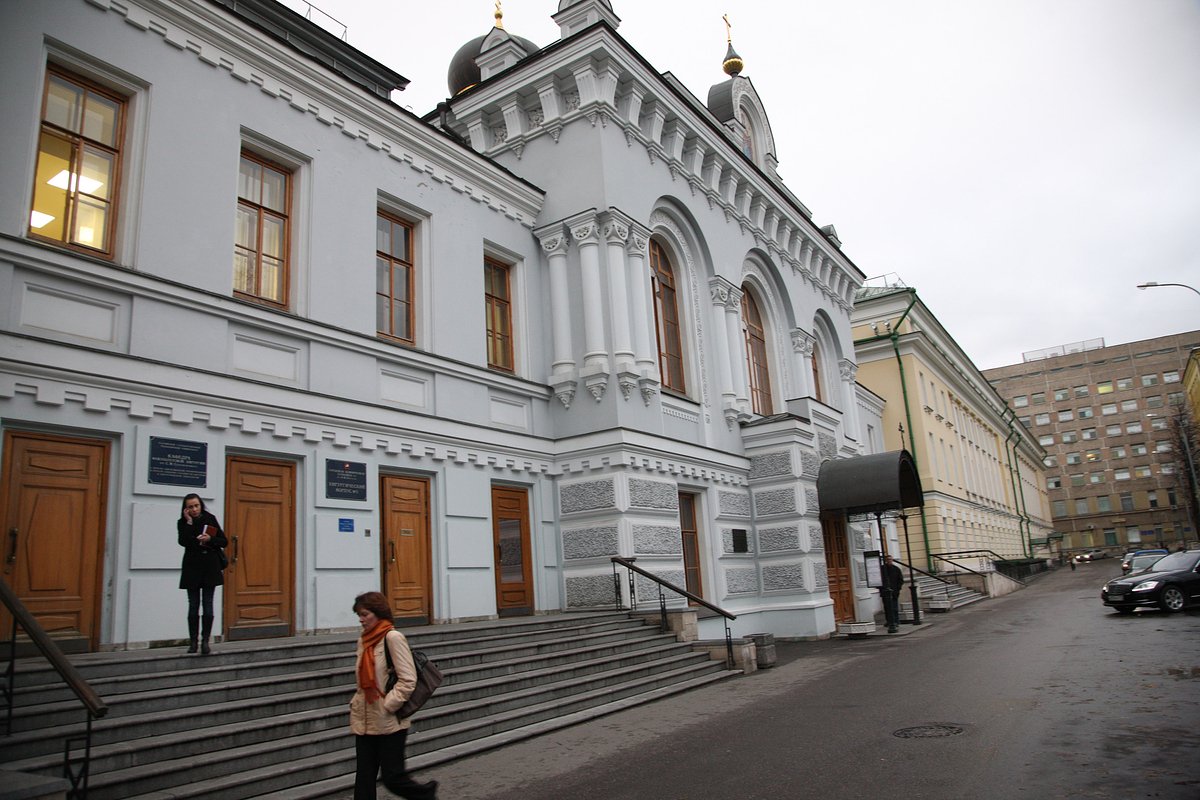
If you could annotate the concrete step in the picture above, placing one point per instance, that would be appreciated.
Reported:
(254, 720)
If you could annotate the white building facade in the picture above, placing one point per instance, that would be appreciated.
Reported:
(469, 374)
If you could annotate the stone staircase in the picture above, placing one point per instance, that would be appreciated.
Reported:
(269, 718)
(937, 596)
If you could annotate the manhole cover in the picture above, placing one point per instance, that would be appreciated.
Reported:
(928, 732)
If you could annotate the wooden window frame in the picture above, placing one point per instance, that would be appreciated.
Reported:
(816, 372)
(260, 212)
(409, 336)
(79, 143)
(693, 554)
(757, 361)
(498, 309)
(670, 354)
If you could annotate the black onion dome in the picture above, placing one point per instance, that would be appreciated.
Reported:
(464, 72)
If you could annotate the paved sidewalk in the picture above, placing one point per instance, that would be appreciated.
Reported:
(509, 772)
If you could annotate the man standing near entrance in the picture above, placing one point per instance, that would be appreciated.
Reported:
(893, 579)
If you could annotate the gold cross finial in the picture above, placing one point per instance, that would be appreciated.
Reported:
(499, 16)
(728, 27)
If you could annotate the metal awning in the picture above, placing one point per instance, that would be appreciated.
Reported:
(870, 484)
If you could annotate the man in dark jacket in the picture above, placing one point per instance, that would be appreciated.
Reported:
(893, 579)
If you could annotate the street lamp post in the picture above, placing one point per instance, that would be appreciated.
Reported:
(1156, 284)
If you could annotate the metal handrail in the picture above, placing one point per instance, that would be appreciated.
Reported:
(662, 600)
(91, 701)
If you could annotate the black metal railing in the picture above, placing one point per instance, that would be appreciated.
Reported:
(997, 561)
(74, 770)
(662, 600)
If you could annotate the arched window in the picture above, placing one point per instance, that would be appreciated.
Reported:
(747, 134)
(666, 319)
(756, 356)
(816, 371)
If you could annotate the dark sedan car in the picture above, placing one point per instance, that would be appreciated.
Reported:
(1171, 583)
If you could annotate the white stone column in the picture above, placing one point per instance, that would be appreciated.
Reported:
(614, 227)
(642, 311)
(563, 373)
(803, 344)
(731, 350)
(584, 230)
(849, 371)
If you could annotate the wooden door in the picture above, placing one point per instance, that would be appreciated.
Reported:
(54, 499)
(260, 523)
(510, 532)
(405, 562)
(837, 566)
(689, 530)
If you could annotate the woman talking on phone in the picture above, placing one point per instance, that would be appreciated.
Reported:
(201, 538)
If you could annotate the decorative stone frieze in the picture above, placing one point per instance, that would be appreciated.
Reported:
(653, 494)
(657, 540)
(587, 591)
(733, 504)
(777, 577)
(774, 540)
(741, 580)
(595, 542)
(769, 465)
(775, 501)
(587, 496)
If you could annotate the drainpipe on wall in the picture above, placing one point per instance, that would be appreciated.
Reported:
(894, 337)
(1014, 477)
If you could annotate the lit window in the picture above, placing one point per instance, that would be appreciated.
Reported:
(666, 319)
(394, 276)
(260, 252)
(1092, 455)
(498, 300)
(1104, 387)
(79, 159)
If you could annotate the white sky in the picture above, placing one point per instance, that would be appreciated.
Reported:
(1023, 164)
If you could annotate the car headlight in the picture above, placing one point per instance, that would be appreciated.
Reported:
(1146, 586)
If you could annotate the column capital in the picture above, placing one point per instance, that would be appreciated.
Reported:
(803, 342)
(553, 238)
(848, 369)
(583, 227)
(724, 293)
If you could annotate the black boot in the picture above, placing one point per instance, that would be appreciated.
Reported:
(193, 631)
(207, 630)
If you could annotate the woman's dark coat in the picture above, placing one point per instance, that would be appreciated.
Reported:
(201, 563)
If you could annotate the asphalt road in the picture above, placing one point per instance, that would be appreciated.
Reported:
(1042, 694)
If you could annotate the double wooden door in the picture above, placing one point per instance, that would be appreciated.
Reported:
(54, 492)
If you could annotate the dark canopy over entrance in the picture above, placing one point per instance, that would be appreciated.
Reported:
(869, 484)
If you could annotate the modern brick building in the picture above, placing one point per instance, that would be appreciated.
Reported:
(1115, 477)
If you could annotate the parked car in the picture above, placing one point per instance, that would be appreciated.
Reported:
(1127, 559)
(1171, 583)
(1141, 562)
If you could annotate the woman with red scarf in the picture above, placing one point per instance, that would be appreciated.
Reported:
(378, 736)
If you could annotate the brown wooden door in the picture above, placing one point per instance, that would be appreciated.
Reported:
(55, 493)
(837, 566)
(405, 559)
(689, 530)
(510, 532)
(260, 523)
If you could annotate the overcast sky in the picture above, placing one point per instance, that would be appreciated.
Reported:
(1023, 164)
